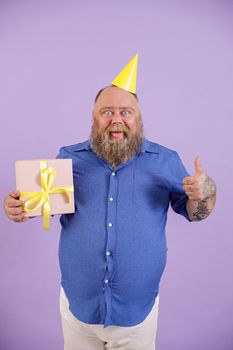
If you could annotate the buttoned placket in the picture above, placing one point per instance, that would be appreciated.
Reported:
(111, 234)
(110, 245)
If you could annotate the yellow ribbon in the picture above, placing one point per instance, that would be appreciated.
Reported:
(47, 175)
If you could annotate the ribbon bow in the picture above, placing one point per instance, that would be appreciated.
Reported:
(41, 199)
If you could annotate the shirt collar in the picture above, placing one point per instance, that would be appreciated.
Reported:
(84, 146)
(149, 147)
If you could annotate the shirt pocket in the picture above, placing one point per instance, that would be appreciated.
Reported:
(150, 191)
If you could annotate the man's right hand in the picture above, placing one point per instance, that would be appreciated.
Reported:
(14, 207)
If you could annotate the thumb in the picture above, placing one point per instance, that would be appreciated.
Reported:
(15, 194)
(198, 168)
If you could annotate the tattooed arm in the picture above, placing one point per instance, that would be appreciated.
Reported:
(200, 209)
(201, 191)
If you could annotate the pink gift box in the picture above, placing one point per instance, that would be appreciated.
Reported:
(28, 179)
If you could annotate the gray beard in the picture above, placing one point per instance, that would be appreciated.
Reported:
(116, 152)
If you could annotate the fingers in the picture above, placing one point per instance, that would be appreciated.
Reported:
(189, 180)
(15, 210)
(18, 218)
(188, 183)
(191, 187)
(12, 200)
(193, 191)
(14, 194)
(14, 207)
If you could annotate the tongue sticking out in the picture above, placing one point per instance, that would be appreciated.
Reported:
(117, 134)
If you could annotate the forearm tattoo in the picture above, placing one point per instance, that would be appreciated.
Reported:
(202, 211)
(208, 188)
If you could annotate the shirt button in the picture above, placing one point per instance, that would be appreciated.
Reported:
(108, 253)
(111, 199)
(106, 281)
(113, 174)
(110, 224)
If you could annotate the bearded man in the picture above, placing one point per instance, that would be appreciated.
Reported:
(113, 248)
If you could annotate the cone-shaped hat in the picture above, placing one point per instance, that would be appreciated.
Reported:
(127, 78)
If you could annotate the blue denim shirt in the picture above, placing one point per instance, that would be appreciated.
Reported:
(112, 250)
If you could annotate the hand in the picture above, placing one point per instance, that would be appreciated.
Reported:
(14, 207)
(199, 186)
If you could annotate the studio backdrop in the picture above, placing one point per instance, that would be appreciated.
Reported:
(54, 57)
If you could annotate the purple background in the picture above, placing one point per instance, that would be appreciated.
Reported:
(54, 57)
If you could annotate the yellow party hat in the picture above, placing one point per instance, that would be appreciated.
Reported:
(127, 78)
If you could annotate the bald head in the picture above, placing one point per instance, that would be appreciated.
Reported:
(100, 92)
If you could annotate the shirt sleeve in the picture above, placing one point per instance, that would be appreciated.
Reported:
(178, 196)
(62, 153)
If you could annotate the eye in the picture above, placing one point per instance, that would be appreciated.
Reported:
(108, 113)
(125, 113)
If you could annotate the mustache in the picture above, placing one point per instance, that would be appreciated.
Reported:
(117, 128)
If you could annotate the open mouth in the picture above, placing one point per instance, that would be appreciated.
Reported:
(117, 134)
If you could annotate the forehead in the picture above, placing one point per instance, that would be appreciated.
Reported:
(116, 97)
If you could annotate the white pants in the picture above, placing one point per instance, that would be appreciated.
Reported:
(83, 336)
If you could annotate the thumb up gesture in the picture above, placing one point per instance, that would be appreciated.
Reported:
(199, 186)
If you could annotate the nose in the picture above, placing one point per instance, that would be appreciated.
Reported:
(117, 118)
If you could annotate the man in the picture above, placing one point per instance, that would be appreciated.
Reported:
(113, 248)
